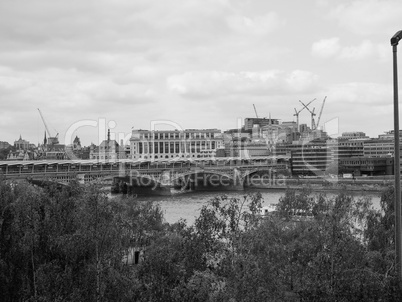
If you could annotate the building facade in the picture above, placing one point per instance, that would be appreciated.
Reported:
(21, 144)
(346, 148)
(108, 150)
(378, 148)
(249, 122)
(353, 135)
(311, 158)
(190, 143)
(369, 166)
(279, 134)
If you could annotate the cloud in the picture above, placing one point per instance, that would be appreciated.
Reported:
(330, 48)
(259, 25)
(362, 94)
(326, 48)
(368, 17)
(364, 50)
(220, 83)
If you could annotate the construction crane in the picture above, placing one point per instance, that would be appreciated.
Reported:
(298, 112)
(319, 115)
(51, 140)
(313, 126)
(255, 110)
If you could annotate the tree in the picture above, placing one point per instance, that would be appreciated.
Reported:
(69, 243)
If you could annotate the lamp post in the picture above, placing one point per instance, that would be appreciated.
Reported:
(398, 240)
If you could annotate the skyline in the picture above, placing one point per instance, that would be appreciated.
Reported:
(199, 64)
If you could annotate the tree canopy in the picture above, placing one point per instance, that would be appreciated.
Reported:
(76, 244)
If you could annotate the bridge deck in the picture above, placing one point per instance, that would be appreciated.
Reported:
(50, 169)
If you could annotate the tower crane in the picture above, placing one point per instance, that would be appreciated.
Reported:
(298, 112)
(52, 140)
(255, 110)
(313, 126)
(319, 115)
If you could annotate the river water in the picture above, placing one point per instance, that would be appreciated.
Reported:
(188, 205)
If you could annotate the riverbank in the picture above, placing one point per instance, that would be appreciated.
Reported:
(377, 188)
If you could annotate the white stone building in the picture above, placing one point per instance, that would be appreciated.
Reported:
(190, 143)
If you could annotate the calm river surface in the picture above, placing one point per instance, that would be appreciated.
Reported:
(188, 205)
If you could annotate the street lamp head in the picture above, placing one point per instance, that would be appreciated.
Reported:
(395, 39)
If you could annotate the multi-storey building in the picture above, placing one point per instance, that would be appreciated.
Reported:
(249, 122)
(21, 144)
(383, 146)
(370, 166)
(283, 133)
(309, 158)
(19, 155)
(108, 150)
(346, 148)
(247, 148)
(390, 135)
(190, 143)
(353, 135)
(378, 148)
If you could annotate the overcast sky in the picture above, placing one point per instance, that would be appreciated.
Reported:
(196, 63)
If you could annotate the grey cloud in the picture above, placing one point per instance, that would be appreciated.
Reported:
(217, 83)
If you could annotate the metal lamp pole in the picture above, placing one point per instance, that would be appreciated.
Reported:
(398, 240)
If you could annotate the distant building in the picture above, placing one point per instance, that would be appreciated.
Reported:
(255, 148)
(346, 148)
(310, 158)
(304, 128)
(353, 135)
(21, 144)
(369, 166)
(383, 146)
(249, 122)
(245, 147)
(280, 133)
(378, 148)
(390, 135)
(76, 144)
(311, 135)
(189, 143)
(108, 150)
(76, 151)
(20, 155)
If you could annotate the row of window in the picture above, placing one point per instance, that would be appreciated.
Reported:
(172, 156)
(106, 148)
(173, 147)
(363, 162)
(103, 157)
(177, 135)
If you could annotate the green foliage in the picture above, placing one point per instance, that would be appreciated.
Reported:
(74, 244)
(4, 152)
(330, 258)
(69, 244)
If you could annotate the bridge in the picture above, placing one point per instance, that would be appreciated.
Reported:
(149, 176)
